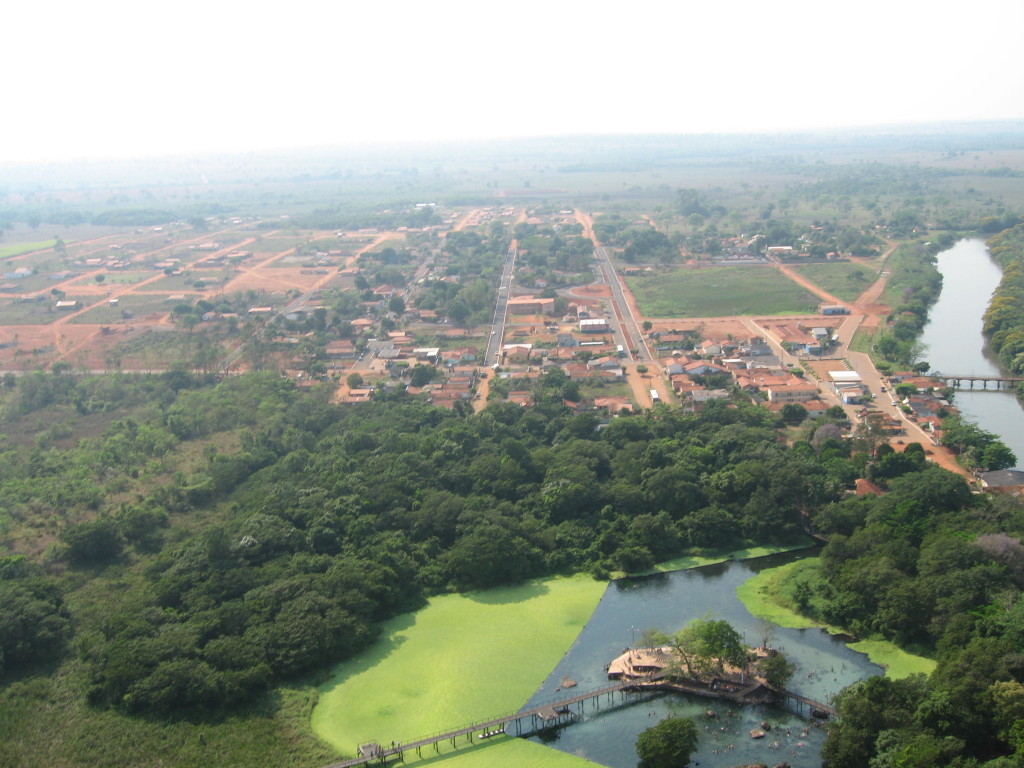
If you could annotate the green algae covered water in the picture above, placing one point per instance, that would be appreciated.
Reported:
(461, 659)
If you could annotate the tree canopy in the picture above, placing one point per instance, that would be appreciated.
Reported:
(668, 744)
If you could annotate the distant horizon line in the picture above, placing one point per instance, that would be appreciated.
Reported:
(928, 127)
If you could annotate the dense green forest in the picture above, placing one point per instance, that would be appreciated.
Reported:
(253, 533)
(323, 521)
(933, 567)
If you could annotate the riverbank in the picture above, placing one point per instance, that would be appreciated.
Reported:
(696, 561)
(1004, 316)
(762, 596)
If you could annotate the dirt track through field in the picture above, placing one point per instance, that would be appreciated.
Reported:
(806, 284)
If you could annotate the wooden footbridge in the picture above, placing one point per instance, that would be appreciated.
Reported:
(527, 721)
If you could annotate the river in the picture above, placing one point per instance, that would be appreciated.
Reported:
(955, 344)
(824, 665)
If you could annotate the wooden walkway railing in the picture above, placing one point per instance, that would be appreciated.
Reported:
(544, 711)
(552, 711)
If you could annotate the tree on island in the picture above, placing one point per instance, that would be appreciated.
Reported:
(668, 744)
(705, 645)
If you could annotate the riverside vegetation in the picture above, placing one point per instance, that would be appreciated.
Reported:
(253, 534)
(1004, 318)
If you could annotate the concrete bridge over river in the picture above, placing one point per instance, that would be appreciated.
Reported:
(957, 381)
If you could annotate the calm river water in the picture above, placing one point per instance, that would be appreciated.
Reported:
(668, 602)
(955, 343)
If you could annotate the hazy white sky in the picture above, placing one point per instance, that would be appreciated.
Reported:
(125, 78)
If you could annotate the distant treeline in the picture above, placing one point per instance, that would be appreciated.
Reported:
(113, 217)
(406, 215)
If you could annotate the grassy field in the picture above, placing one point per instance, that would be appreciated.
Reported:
(864, 341)
(269, 246)
(16, 249)
(603, 388)
(765, 596)
(843, 280)
(720, 291)
(140, 305)
(463, 658)
(118, 278)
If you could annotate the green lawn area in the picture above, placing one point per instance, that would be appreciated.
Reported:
(16, 249)
(719, 291)
(863, 341)
(842, 279)
(765, 596)
(463, 658)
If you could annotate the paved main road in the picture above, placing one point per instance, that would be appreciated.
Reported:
(632, 337)
(492, 355)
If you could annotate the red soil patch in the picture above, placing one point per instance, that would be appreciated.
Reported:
(269, 279)
(597, 290)
(822, 367)
(710, 327)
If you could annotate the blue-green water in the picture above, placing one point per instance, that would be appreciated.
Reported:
(607, 734)
(954, 343)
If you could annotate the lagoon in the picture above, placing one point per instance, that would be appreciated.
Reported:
(668, 602)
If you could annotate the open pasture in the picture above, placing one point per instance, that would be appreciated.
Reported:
(9, 250)
(138, 305)
(719, 291)
(845, 280)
